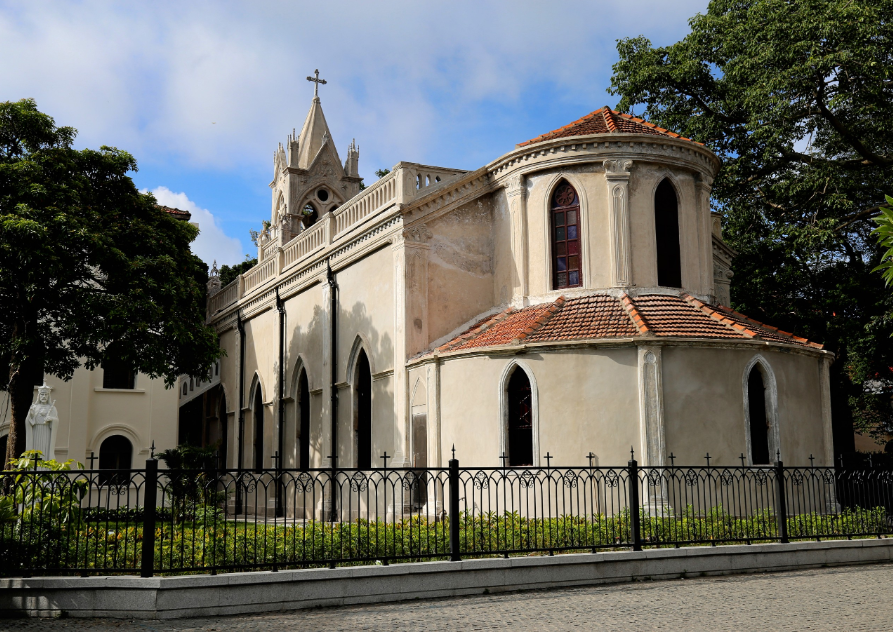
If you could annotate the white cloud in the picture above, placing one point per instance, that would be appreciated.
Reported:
(216, 83)
(212, 243)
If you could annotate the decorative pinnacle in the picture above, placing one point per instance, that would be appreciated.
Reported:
(454, 451)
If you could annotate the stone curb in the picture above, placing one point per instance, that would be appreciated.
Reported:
(253, 592)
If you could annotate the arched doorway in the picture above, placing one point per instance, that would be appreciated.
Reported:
(115, 454)
(363, 422)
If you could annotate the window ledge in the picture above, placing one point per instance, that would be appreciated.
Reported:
(119, 390)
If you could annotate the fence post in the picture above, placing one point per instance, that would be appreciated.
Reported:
(634, 516)
(782, 503)
(149, 502)
(454, 510)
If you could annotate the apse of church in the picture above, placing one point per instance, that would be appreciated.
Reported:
(571, 296)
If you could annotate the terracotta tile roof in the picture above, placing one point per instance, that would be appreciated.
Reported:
(602, 316)
(595, 316)
(605, 121)
(180, 214)
(674, 316)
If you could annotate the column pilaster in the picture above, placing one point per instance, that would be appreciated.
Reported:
(617, 172)
(516, 195)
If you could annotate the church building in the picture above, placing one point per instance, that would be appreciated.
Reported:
(570, 297)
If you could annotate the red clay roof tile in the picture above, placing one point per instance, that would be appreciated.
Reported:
(605, 121)
(602, 316)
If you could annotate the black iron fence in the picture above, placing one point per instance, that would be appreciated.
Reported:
(165, 521)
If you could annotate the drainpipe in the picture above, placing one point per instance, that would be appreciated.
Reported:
(280, 308)
(240, 326)
(333, 310)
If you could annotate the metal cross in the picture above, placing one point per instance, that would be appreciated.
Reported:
(454, 451)
(276, 460)
(152, 454)
(590, 457)
(548, 459)
(811, 461)
(316, 82)
(708, 460)
(741, 457)
(632, 454)
(778, 455)
(672, 460)
(92, 459)
(503, 457)
(385, 458)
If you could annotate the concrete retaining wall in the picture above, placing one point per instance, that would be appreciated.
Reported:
(230, 594)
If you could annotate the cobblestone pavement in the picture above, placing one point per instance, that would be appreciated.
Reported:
(843, 598)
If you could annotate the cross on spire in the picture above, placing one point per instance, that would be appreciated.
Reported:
(316, 81)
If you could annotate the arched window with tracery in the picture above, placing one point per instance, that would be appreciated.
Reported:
(565, 219)
(666, 229)
(520, 419)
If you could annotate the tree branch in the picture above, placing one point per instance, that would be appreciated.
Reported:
(863, 151)
(852, 219)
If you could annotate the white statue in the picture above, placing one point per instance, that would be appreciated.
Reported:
(41, 424)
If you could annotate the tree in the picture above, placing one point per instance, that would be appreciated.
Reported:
(796, 98)
(87, 262)
(228, 274)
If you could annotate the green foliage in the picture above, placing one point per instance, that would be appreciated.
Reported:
(884, 235)
(203, 540)
(87, 261)
(228, 274)
(796, 98)
(189, 469)
(380, 173)
(42, 510)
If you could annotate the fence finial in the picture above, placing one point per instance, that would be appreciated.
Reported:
(590, 458)
(454, 451)
(385, 458)
(672, 460)
(708, 459)
(503, 457)
(741, 457)
(152, 450)
(632, 453)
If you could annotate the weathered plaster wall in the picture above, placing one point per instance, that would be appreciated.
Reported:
(460, 267)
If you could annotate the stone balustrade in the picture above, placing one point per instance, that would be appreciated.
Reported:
(307, 242)
(406, 182)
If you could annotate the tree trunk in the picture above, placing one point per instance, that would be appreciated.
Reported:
(23, 368)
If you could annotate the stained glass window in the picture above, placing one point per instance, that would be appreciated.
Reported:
(566, 267)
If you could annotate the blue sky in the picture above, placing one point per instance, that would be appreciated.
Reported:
(202, 92)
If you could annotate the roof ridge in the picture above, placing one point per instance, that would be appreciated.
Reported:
(654, 127)
(719, 316)
(541, 320)
(633, 313)
(799, 339)
(474, 332)
(608, 116)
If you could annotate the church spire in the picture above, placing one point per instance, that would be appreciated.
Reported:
(313, 134)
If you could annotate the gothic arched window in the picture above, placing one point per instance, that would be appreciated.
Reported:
(363, 429)
(258, 430)
(309, 216)
(666, 229)
(759, 420)
(303, 422)
(565, 219)
(115, 453)
(520, 419)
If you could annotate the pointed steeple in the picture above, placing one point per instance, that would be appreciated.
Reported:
(313, 135)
